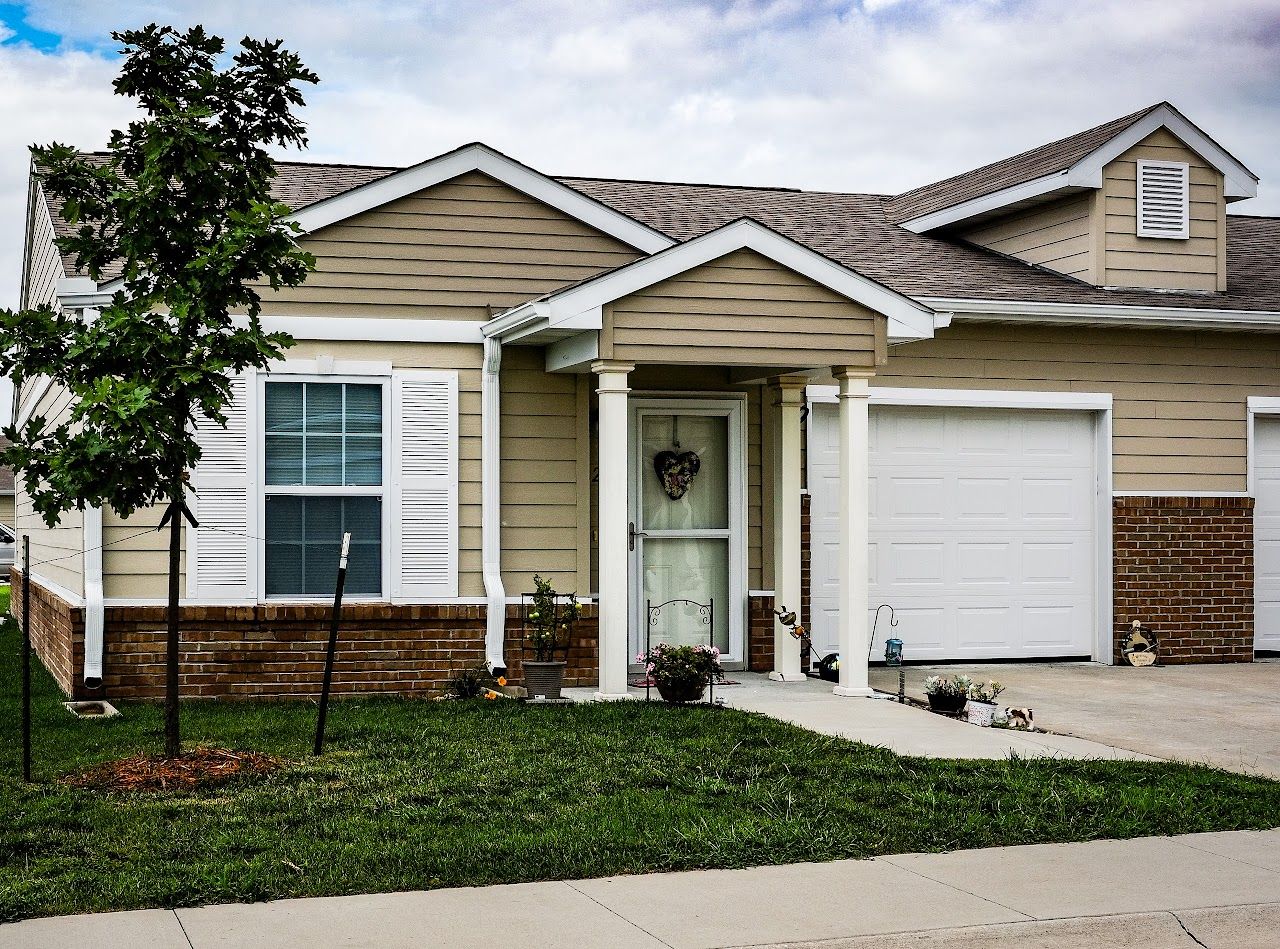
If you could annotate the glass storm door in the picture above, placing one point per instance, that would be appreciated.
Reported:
(687, 511)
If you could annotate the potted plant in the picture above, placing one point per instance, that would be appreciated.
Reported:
(981, 709)
(681, 673)
(549, 617)
(947, 695)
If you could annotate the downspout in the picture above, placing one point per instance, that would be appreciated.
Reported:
(491, 508)
(93, 604)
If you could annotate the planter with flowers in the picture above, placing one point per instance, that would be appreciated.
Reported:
(682, 673)
(549, 618)
(947, 695)
(981, 709)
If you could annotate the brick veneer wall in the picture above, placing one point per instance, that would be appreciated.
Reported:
(1184, 567)
(277, 651)
(57, 632)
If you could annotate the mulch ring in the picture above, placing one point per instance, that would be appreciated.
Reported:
(192, 770)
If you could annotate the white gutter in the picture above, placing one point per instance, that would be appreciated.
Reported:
(491, 507)
(91, 536)
(1176, 317)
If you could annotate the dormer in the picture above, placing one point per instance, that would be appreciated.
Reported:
(1139, 202)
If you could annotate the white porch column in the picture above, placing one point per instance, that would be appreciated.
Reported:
(612, 388)
(854, 530)
(788, 399)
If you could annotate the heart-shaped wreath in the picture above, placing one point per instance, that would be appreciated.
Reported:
(676, 471)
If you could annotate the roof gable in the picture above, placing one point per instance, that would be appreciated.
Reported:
(482, 158)
(579, 307)
(1069, 164)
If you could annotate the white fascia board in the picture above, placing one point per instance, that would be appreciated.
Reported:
(517, 319)
(973, 398)
(1171, 317)
(481, 158)
(579, 306)
(1239, 182)
(986, 203)
(373, 329)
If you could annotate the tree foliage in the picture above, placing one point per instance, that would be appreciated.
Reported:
(177, 218)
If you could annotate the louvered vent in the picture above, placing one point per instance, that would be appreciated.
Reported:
(1164, 198)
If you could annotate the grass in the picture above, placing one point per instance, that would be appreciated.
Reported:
(429, 794)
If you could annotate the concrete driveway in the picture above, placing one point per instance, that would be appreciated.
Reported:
(1223, 715)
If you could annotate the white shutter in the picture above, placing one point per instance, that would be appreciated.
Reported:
(424, 486)
(222, 549)
(1164, 199)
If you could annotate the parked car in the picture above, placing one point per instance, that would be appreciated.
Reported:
(8, 550)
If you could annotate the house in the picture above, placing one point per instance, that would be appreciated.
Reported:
(7, 501)
(1025, 406)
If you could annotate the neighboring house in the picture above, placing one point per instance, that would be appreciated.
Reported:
(6, 491)
(1024, 406)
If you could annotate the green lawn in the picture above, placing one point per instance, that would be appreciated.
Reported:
(429, 794)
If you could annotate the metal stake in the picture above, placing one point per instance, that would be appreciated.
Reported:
(26, 657)
(318, 748)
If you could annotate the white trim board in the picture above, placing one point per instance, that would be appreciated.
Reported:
(580, 307)
(1173, 317)
(973, 398)
(1255, 405)
(480, 157)
(1238, 181)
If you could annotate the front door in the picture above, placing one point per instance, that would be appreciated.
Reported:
(688, 523)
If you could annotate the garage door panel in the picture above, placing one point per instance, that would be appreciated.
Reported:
(1266, 530)
(982, 530)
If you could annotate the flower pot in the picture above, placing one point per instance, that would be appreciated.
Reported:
(681, 690)
(981, 713)
(947, 703)
(544, 679)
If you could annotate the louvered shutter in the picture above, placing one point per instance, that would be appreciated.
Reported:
(225, 504)
(424, 486)
(1164, 196)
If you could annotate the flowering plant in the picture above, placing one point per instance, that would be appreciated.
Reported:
(988, 692)
(550, 617)
(682, 669)
(941, 685)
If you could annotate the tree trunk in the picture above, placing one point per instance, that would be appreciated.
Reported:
(172, 731)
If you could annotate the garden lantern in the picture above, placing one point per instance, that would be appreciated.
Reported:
(893, 652)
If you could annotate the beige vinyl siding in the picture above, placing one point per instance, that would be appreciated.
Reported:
(741, 310)
(1198, 263)
(57, 553)
(450, 252)
(135, 556)
(7, 507)
(1055, 235)
(44, 264)
(1179, 411)
(542, 504)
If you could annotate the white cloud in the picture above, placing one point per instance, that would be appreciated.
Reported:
(829, 94)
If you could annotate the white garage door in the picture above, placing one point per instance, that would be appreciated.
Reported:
(982, 530)
(1266, 526)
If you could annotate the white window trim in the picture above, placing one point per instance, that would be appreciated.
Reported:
(1184, 232)
(382, 491)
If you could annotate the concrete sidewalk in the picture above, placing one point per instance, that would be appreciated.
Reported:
(1220, 889)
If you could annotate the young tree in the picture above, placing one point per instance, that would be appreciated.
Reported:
(180, 208)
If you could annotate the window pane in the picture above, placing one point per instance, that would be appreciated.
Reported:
(284, 407)
(364, 410)
(284, 459)
(304, 538)
(364, 459)
(324, 407)
(324, 459)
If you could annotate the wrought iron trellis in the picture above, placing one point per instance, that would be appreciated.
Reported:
(706, 616)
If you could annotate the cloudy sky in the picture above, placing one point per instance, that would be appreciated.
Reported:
(877, 95)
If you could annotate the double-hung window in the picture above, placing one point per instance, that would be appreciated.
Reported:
(324, 448)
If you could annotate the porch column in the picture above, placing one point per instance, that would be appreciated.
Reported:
(854, 569)
(788, 399)
(611, 378)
